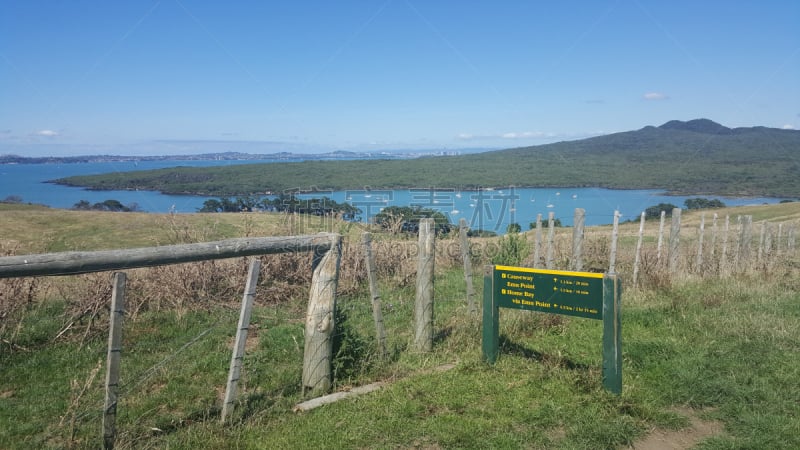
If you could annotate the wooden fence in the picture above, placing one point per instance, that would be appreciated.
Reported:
(319, 319)
(728, 246)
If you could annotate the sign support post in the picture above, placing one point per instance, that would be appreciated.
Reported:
(612, 335)
(491, 318)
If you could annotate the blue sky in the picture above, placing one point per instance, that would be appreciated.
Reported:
(186, 76)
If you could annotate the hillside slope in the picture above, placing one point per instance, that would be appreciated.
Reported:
(694, 157)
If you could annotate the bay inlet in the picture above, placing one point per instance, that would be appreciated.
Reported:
(489, 209)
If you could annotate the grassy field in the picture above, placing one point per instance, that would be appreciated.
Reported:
(726, 351)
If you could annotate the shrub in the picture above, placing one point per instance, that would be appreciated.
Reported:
(654, 212)
(512, 250)
(703, 203)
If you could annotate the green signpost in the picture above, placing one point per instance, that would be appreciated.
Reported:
(581, 294)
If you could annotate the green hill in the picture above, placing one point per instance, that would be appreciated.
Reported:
(694, 157)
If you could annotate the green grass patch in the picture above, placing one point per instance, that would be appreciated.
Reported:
(730, 349)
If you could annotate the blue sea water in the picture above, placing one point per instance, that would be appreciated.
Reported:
(30, 182)
(494, 209)
(489, 209)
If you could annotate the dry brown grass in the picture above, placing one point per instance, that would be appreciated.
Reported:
(285, 278)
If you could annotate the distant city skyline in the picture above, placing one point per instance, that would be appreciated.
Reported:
(167, 77)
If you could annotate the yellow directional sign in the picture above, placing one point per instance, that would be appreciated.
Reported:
(553, 291)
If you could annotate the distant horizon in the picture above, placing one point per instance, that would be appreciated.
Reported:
(190, 147)
(398, 152)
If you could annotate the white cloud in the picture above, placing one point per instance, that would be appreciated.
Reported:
(541, 136)
(509, 135)
(528, 134)
(788, 126)
(46, 133)
(655, 96)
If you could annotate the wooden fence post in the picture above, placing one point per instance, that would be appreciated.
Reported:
(768, 242)
(660, 236)
(739, 220)
(638, 256)
(320, 319)
(700, 233)
(377, 311)
(235, 369)
(113, 358)
(712, 252)
(674, 241)
(612, 259)
(537, 247)
(723, 259)
(551, 230)
(466, 257)
(423, 304)
(761, 251)
(577, 238)
(745, 242)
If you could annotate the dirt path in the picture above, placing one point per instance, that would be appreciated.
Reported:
(686, 438)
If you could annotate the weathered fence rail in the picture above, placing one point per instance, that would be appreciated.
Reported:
(73, 263)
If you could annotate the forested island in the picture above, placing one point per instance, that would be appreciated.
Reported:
(698, 157)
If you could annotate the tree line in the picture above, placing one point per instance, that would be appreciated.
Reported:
(405, 219)
(106, 205)
(654, 212)
(285, 202)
